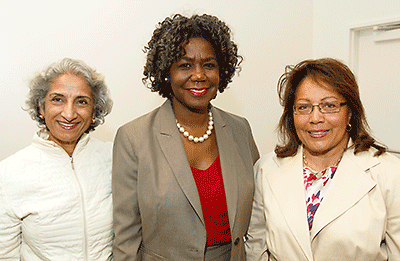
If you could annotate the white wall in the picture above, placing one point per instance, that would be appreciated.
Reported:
(110, 35)
(331, 38)
(332, 20)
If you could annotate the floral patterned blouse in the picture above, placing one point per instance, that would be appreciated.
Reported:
(316, 185)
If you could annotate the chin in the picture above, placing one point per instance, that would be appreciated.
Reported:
(318, 149)
(198, 107)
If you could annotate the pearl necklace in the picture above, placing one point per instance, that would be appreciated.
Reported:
(198, 139)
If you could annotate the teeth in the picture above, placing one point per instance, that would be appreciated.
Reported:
(197, 91)
(66, 124)
(318, 132)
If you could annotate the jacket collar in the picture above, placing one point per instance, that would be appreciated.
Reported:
(173, 150)
(231, 163)
(287, 186)
(41, 141)
(349, 185)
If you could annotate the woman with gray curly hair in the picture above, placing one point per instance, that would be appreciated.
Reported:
(183, 173)
(55, 195)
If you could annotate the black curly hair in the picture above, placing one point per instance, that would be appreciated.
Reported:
(169, 39)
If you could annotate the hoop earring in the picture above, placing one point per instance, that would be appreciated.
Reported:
(348, 127)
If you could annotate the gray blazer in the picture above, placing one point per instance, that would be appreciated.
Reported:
(157, 210)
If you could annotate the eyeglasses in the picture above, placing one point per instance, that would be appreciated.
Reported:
(324, 107)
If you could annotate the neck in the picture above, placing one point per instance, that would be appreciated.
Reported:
(189, 117)
(319, 162)
(69, 148)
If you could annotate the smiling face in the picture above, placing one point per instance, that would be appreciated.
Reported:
(321, 133)
(68, 110)
(195, 76)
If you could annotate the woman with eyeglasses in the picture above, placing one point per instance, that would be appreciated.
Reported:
(329, 191)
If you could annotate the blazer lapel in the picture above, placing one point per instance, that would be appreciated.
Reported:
(231, 163)
(287, 185)
(172, 147)
(348, 186)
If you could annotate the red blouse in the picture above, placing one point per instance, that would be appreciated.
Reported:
(210, 186)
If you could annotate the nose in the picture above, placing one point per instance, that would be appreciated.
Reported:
(316, 116)
(198, 74)
(69, 112)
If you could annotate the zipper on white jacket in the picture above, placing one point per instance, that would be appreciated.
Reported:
(85, 240)
(72, 163)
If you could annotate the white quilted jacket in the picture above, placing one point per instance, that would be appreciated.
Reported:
(54, 207)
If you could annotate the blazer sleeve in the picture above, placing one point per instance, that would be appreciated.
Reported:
(10, 227)
(126, 215)
(254, 150)
(391, 195)
(256, 247)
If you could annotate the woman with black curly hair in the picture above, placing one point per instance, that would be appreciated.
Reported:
(183, 173)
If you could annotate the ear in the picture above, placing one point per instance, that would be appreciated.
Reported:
(349, 117)
(93, 117)
(41, 110)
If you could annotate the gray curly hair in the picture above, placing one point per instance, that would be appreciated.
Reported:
(40, 84)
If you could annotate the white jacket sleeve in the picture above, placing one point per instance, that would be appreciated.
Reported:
(256, 247)
(390, 183)
(10, 229)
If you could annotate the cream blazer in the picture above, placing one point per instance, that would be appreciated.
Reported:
(358, 219)
(157, 210)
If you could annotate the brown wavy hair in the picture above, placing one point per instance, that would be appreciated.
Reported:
(167, 43)
(338, 76)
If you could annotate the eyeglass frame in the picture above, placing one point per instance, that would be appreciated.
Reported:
(319, 107)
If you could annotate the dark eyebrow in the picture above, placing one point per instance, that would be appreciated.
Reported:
(330, 97)
(211, 58)
(82, 96)
(56, 94)
(185, 58)
(322, 100)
